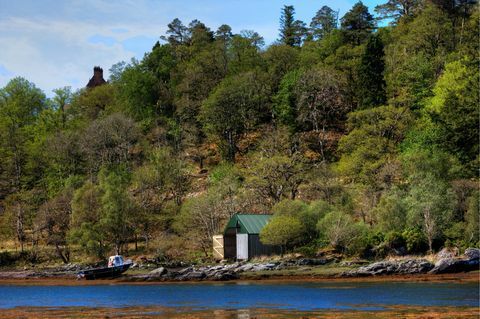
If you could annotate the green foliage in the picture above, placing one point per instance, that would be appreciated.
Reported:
(417, 51)
(415, 240)
(324, 22)
(430, 206)
(472, 226)
(237, 105)
(391, 212)
(285, 231)
(364, 141)
(372, 142)
(357, 24)
(137, 91)
(371, 90)
(291, 31)
(454, 110)
(342, 232)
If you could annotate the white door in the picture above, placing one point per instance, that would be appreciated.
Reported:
(242, 246)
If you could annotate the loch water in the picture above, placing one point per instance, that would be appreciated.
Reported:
(305, 296)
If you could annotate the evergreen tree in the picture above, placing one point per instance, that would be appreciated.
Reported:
(292, 31)
(177, 33)
(371, 90)
(395, 9)
(357, 24)
(323, 22)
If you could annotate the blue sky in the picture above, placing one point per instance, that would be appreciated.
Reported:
(56, 43)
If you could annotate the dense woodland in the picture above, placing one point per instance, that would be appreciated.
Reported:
(356, 137)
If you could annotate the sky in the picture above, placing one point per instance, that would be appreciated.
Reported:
(56, 43)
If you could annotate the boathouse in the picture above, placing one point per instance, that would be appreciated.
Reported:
(241, 239)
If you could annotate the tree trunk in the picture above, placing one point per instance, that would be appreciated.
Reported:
(136, 242)
(65, 257)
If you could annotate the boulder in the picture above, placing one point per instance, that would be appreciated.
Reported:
(194, 275)
(158, 272)
(472, 253)
(454, 265)
(409, 266)
(447, 253)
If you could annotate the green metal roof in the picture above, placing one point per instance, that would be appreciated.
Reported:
(248, 223)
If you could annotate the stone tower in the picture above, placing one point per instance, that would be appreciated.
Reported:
(97, 78)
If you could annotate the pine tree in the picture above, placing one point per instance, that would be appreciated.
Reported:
(371, 90)
(357, 24)
(323, 22)
(292, 31)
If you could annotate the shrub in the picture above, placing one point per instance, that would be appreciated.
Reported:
(415, 240)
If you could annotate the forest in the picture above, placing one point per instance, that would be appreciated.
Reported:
(358, 134)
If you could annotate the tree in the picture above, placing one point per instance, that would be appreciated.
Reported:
(324, 22)
(203, 216)
(177, 33)
(276, 170)
(307, 214)
(430, 206)
(472, 230)
(416, 56)
(109, 141)
(371, 90)
(391, 212)
(454, 110)
(373, 140)
(280, 60)
(138, 92)
(20, 105)
(117, 209)
(320, 102)
(236, 106)
(91, 104)
(340, 230)
(63, 97)
(53, 221)
(284, 102)
(244, 52)
(291, 31)
(285, 231)
(85, 228)
(357, 24)
(396, 9)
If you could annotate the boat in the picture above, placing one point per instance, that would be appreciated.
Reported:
(116, 266)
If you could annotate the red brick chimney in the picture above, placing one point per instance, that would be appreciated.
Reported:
(97, 78)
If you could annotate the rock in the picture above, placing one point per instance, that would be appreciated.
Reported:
(311, 262)
(158, 272)
(409, 266)
(454, 265)
(184, 271)
(472, 253)
(347, 263)
(194, 275)
(225, 276)
(447, 253)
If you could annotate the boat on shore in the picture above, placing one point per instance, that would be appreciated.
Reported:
(116, 266)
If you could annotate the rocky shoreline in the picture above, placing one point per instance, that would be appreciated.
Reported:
(446, 262)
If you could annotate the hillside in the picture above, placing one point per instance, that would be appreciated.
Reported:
(358, 138)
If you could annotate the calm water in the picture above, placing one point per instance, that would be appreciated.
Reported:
(294, 296)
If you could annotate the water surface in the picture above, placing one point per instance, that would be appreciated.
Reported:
(304, 296)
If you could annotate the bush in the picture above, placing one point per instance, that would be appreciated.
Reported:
(342, 233)
(415, 240)
(394, 240)
(7, 258)
(284, 231)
